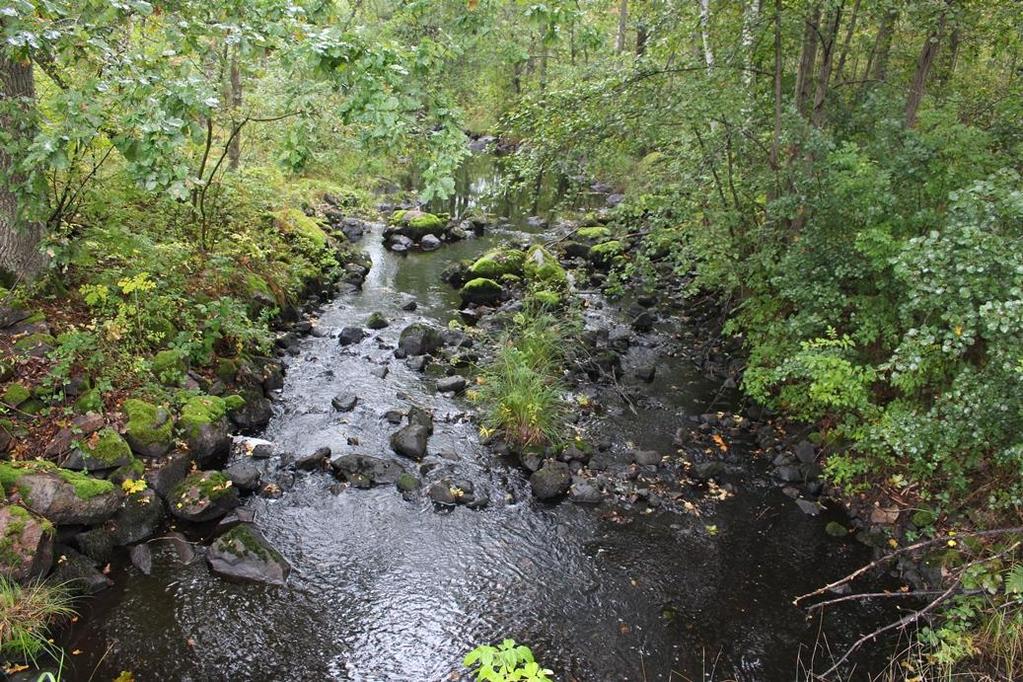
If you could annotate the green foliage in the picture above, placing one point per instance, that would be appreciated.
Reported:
(26, 614)
(520, 387)
(506, 662)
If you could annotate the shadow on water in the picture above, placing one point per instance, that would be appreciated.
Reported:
(388, 589)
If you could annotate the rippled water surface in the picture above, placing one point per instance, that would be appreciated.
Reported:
(388, 589)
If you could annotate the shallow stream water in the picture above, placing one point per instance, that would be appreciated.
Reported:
(383, 588)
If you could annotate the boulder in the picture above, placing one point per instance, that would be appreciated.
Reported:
(314, 461)
(149, 429)
(166, 474)
(422, 417)
(81, 427)
(363, 468)
(551, 481)
(452, 384)
(138, 518)
(245, 475)
(582, 491)
(142, 558)
(255, 414)
(645, 457)
(205, 427)
(26, 544)
(350, 335)
(102, 450)
(377, 321)
(410, 441)
(68, 497)
(344, 401)
(79, 572)
(429, 243)
(243, 553)
(419, 339)
(203, 496)
(481, 291)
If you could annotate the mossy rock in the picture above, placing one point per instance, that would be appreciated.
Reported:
(203, 496)
(105, 450)
(376, 320)
(295, 222)
(26, 544)
(227, 369)
(481, 291)
(593, 235)
(416, 224)
(836, 530)
(89, 401)
(170, 367)
(6, 369)
(607, 252)
(61, 495)
(36, 344)
(15, 395)
(150, 428)
(541, 267)
(494, 264)
(242, 553)
(204, 426)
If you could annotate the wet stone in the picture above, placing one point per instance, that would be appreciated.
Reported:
(344, 402)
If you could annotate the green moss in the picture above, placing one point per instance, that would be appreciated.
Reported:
(836, 530)
(606, 252)
(86, 487)
(227, 369)
(426, 223)
(110, 448)
(498, 262)
(15, 394)
(234, 402)
(542, 267)
(170, 367)
(594, 234)
(397, 216)
(293, 221)
(90, 401)
(210, 484)
(240, 539)
(144, 424)
(199, 411)
(481, 290)
(33, 340)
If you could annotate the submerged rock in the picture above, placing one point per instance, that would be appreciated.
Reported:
(344, 401)
(243, 553)
(350, 335)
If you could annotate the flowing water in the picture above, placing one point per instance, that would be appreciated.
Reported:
(384, 588)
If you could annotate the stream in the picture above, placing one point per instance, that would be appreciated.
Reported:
(386, 588)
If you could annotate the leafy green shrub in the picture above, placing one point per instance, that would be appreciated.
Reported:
(507, 662)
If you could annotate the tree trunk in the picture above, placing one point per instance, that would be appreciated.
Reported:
(847, 42)
(749, 26)
(923, 67)
(877, 65)
(623, 22)
(708, 53)
(807, 58)
(641, 37)
(20, 258)
(834, 18)
(776, 137)
(234, 150)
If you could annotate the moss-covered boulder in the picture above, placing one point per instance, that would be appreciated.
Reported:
(498, 262)
(605, 253)
(150, 428)
(416, 224)
(26, 544)
(204, 426)
(542, 268)
(60, 495)
(170, 367)
(593, 235)
(243, 553)
(481, 291)
(203, 496)
(103, 450)
(15, 395)
(89, 401)
(37, 345)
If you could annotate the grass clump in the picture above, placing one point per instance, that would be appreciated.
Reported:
(26, 615)
(520, 389)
